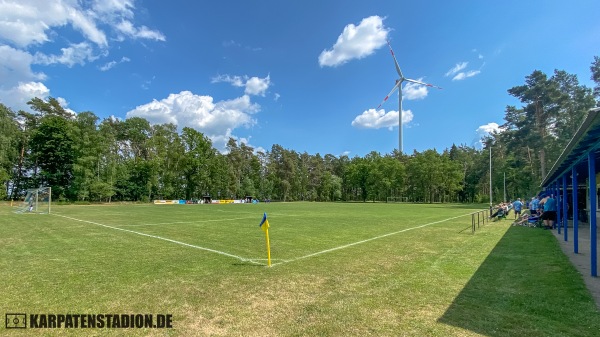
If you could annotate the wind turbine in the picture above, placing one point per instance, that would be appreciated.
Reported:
(399, 87)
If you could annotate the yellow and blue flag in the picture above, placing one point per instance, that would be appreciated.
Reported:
(264, 224)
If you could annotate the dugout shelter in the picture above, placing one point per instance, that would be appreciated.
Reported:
(575, 170)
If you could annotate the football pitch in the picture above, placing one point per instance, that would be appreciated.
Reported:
(338, 269)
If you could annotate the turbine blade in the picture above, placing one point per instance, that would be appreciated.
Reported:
(422, 83)
(390, 94)
(395, 61)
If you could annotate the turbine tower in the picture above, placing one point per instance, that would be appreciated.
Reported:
(399, 87)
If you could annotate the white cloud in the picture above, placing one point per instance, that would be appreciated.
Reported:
(412, 91)
(108, 66)
(485, 131)
(119, 15)
(356, 42)
(254, 85)
(65, 105)
(34, 89)
(112, 64)
(458, 73)
(258, 149)
(17, 97)
(458, 67)
(246, 141)
(215, 120)
(128, 29)
(257, 86)
(85, 23)
(15, 67)
(377, 119)
(27, 25)
(236, 81)
(462, 75)
(79, 53)
(114, 7)
(239, 104)
(18, 82)
(26, 22)
(488, 128)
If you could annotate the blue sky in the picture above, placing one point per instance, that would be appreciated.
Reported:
(307, 75)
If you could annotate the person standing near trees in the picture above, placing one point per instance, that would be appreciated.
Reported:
(534, 205)
(517, 205)
(549, 215)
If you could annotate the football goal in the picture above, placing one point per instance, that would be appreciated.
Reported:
(37, 200)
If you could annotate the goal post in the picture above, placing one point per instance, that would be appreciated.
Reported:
(37, 200)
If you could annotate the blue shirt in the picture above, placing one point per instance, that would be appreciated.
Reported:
(550, 205)
(517, 205)
(535, 204)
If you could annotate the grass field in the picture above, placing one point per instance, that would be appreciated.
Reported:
(339, 269)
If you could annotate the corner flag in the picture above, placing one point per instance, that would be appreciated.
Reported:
(264, 222)
(264, 225)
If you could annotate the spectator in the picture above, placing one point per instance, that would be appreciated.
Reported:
(534, 206)
(522, 221)
(517, 205)
(549, 214)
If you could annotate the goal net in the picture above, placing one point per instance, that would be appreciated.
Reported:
(37, 200)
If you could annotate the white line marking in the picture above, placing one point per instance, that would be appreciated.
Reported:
(270, 214)
(179, 222)
(161, 238)
(367, 240)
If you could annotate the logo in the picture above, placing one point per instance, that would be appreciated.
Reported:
(85, 321)
(16, 321)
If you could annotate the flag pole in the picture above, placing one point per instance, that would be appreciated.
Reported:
(264, 225)
(268, 248)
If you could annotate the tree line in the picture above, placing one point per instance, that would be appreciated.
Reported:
(84, 158)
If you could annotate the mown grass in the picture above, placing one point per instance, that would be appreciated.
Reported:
(375, 273)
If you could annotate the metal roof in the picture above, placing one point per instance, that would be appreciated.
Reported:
(575, 154)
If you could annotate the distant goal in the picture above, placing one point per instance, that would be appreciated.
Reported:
(397, 199)
(37, 200)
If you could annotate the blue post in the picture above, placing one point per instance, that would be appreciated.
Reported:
(593, 239)
(558, 213)
(564, 205)
(575, 212)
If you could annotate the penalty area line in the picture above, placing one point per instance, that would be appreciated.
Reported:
(161, 238)
(366, 240)
(189, 222)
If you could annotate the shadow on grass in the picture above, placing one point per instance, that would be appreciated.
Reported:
(525, 287)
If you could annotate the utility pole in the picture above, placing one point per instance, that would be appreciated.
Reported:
(505, 187)
(491, 204)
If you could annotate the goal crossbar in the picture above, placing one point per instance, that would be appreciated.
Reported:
(37, 200)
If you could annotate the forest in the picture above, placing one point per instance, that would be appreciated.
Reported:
(85, 159)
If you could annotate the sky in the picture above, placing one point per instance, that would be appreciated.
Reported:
(306, 75)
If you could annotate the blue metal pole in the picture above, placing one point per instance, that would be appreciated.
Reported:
(575, 212)
(564, 205)
(593, 239)
(558, 213)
